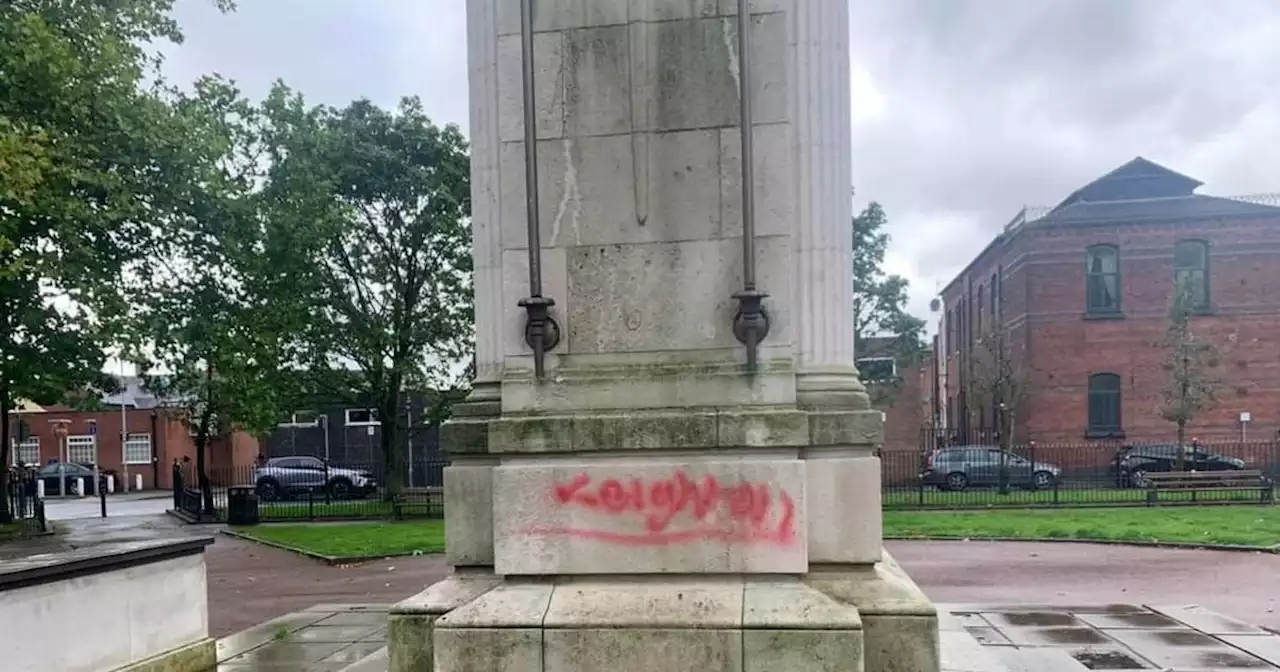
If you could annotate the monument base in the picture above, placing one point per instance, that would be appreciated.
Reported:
(848, 618)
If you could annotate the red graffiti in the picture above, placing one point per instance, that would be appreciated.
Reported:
(678, 510)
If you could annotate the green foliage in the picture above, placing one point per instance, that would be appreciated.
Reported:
(216, 306)
(880, 303)
(87, 170)
(376, 202)
(1190, 386)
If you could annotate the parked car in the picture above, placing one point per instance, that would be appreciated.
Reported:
(281, 477)
(964, 466)
(1133, 463)
(53, 474)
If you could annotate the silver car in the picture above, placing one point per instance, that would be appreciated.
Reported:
(282, 477)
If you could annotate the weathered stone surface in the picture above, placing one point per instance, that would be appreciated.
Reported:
(773, 165)
(808, 650)
(782, 604)
(637, 299)
(850, 529)
(685, 73)
(462, 436)
(515, 286)
(900, 643)
(762, 429)
(846, 428)
(562, 14)
(468, 514)
(488, 650)
(644, 431)
(613, 382)
(692, 517)
(708, 603)
(411, 642)
(595, 649)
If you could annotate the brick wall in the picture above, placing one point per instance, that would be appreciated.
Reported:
(1043, 271)
(168, 435)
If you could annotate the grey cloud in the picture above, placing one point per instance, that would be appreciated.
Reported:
(986, 104)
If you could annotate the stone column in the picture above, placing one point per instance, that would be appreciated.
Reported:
(825, 375)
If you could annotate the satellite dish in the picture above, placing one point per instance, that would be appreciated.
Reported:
(935, 305)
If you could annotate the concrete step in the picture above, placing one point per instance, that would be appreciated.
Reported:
(378, 661)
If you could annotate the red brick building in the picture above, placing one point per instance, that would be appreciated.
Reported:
(1080, 294)
(155, 439)
(907, 408)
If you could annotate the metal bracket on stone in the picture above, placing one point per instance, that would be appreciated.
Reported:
(541, 331)
(751, 323)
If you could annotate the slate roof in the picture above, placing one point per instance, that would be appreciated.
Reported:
(1144, 190)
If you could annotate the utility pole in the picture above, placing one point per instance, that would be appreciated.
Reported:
(124, 429)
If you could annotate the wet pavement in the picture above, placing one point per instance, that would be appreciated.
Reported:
(1245, 585)
(974, 638)
(1043, 638)
(324, 638)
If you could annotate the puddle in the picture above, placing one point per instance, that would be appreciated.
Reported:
(1073, 636)
(1143, 620)
(1184, 638)
(1232, 660)
(1037, 618)
(1108, 660)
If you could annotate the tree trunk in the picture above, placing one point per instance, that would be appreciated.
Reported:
(202, 473)
(392, 464)
(1181, 462)
(6, 515)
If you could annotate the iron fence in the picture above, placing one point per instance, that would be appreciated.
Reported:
(333, 491)
(951, 473)
(25, 505)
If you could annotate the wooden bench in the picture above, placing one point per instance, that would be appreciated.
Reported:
(1244, 480)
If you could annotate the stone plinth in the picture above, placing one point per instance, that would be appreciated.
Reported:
(650, 502)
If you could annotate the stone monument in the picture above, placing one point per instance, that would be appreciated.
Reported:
(668, 459)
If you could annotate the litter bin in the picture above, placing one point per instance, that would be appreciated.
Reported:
(242, 506)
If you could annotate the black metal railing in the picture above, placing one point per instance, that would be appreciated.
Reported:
(334, 491)
(954, 474)
(25, 505)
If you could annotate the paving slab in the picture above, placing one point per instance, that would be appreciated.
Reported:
(1266, 647)
(1207, 621)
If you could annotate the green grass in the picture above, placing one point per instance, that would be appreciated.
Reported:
(10, 531)
(355, 539)
(1257, 526)
(1246, 526)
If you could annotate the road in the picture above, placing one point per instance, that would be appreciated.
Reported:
(146, 503)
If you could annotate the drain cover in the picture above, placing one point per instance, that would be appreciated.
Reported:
(1108, 660)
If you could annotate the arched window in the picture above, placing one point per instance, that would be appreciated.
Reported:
(1191, 266)
(1102, 283)
(1104, 403)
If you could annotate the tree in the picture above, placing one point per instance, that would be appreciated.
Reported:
(381, 200)
(1190, 388)
(880, 303)
(997, 383)
(87, 168)
(217, 310)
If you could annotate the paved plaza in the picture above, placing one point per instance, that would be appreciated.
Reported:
(975, 638)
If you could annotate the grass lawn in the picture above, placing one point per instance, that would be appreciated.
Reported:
(1243, 525)
(355, 539)
(1240, 525)
(10, 531)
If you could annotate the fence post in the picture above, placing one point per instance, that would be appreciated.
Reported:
(1035, 487)
(311, 504)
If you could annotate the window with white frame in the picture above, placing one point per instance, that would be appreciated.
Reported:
(137, 449)
(27, 452)
(877, 369)
(82, 449)
(299, 419)
(358, 417)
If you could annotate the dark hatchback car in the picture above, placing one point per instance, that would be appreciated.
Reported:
(964, 466)
(1133, 463)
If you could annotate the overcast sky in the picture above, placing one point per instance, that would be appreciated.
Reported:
(964, 110)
